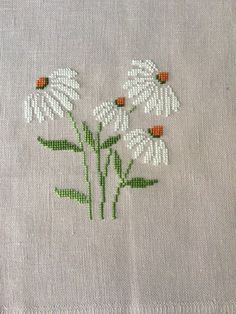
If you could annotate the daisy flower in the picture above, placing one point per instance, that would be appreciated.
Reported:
(113, 111)
(146, 85)
(54, 95)
(148, 142)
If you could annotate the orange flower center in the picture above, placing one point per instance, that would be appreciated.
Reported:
(162, 77)
(156, 131)
(42, 82)
(120, 101)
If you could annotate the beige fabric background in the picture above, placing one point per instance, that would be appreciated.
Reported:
(172, 248)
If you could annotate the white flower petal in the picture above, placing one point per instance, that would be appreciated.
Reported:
(125, 121)
(148, 157)
(66, 81)
(28, 110)
(162, 101)
(152, 66)
(109, 111)
(68, 91)
(106, 116)
(140, 147)
(157, 156)
(103, 108)
(118, 121)
(137, 81)
(144, 88)
(141, 141)
(36, 108)
(144, 96)
(151, 104)
(140, 89)
(164, 152)
(160, 154)
(55, 105)
(110, 116)
(105, 112)
(57, 98)
(136, 72)
(67, 72)
(132, 134)
(173, 99)
(148, 65)
(136, 140)
(48, 111)
(155, 102)
(122, 120)
(64, 100)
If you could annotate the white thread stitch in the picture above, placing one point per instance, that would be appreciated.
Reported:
(113, 110)
(148, 143)
(48, 111)
(146, 86)
(67, 72)
(31, 107)
(57, 98)
(68, 91)
(62, 98)
(54, 104)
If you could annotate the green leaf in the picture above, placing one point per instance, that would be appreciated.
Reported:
(59, 144)
(73, 195)
(117, 163)
(140, 182)
(88, 135)
(110, 141)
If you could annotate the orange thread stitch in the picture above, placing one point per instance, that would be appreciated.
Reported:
(120, 101)
(156, 130)
(162, 77)
(42, 82)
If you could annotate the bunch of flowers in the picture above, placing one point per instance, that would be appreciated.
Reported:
(146, 87)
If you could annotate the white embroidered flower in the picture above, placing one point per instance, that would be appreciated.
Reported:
(113, 111)
(54, 97)
(146, 85)
(148, 142)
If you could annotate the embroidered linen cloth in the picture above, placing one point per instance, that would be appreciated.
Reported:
(162, 240)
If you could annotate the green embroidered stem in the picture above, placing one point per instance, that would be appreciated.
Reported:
(128, 168)
(100, 173)
(76, 129)
(89, 185)
(86, 169)
(120, 186)
(108, 162)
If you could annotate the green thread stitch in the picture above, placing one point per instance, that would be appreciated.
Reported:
(143, 142)
(140, 182)
(73, 194)
(108, 161)
(100, 173)
(86, 169)
(59, 145)
(122, 183)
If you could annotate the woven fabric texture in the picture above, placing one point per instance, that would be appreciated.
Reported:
(172, 247)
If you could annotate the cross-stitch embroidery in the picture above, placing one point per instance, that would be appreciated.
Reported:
(56, 96)
(148, 140)
(146, 86)
(113, 110)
